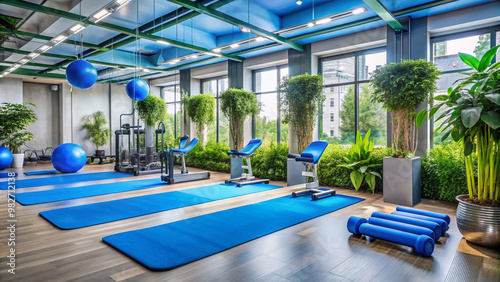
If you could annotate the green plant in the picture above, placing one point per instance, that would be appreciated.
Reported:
(213, 157)
(301, 100)
(472, 116)
(237, 105)
(270, 161)
(201, 110)
(95, 124)
(359, 160)
(401, 87)
(152, 110)
(14, 119)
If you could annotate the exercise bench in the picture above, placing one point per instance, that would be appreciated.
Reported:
(246, 152)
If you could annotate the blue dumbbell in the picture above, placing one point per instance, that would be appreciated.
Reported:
(436, 228)
(417, 230)
(442, 216)
(441, 222)
(423, 244)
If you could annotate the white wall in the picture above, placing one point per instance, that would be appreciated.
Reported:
(11, 90)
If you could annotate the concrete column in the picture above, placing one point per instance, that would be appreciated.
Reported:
(185, 86)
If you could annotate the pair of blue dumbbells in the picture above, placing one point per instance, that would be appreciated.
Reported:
(406, 226)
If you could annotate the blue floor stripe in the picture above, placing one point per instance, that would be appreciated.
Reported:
(41, 172)
(98, 213)
(62, 194)
(64, 179)
(171, 245)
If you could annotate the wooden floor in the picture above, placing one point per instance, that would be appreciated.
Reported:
(317, 250)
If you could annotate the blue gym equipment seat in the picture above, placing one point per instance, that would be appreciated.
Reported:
(246, 152)
(310, 158)
(169, 175)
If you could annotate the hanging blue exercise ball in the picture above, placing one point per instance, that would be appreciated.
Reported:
(81, 74)
(5, 158)
(69, 157)
(137, 89)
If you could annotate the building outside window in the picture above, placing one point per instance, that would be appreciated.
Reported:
(346, 84)
(267, 124)
(172, 97)
(218, 131)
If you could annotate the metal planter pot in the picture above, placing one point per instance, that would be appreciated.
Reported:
(478, 224)
(401, 178)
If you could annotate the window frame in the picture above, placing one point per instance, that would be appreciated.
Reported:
(217, 92)
(176, 86)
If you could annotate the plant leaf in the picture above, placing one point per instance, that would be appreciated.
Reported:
(441, 98)
(470, 116)
(491, 118)
(421, 116)
(468, 148)
(434, 110)
(495, 98)
(376, 174)
(470, 60)
(486, 59)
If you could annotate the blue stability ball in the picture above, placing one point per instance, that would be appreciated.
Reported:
(81, 74)
(5, 158)
(69, 157)
(137, 89)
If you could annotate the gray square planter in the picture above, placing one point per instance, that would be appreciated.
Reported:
(402, 181)
(294, 172)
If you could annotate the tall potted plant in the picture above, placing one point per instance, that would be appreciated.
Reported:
(14, 120)
(98, 133)
(201, 110)
(237, 105)
(472, 116)
(401, 87)
(151, 110)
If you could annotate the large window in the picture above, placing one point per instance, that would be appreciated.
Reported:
(445, 56)
(172, 97)
(218, 131)
(348, 106)
(267, 124)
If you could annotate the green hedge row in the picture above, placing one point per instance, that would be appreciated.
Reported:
(443, 169)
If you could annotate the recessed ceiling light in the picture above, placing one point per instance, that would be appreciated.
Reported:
(176, 60)
(235, 45)
(58, 39)
(77, 27)
(244, 29)
(146, 70)
(122, 2)
(163, 42)
(216, 50)
(171, 63)
(298, 2)
(194, 56)
(310, 24)
(323, 21)
(23, 61)
(101, 15)
(358, 10)
(45, 48)
(33, 55)
(259, 39)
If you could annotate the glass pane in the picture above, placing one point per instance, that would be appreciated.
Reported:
(448, 80)
(283, 72)
(178, 120)
(446, 52)
(169, 94)
(338, 71)
(169, 125)
(372, 116)
(212, 129)
(223, 128)
(177, 93)
(209, 86)
(341, 130)
(266, 81)
(223, 85)
(370, 62)
(266, 122)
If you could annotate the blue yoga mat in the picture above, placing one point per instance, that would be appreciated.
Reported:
(41, 172)
(171, 245)
(98, 213)
(62, 194)
(64, 179)
(6, 174)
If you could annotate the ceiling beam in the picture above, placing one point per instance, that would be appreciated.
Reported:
(48, 38)
(29, 72)
(34, 65)
(131, 32)
(237, 22)
(385, 14)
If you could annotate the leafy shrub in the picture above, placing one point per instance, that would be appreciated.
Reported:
(443, 172)
(212, 157)
(269, 161)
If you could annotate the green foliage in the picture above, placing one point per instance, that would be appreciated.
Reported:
(269, 161)
(95, 124)
(444, 172)
(401, 87)
(212, 157)
(301, 100)
(237, 105)
(14, 119)
(152, 110)
(201, 110)
(472, 115)
(359, 160)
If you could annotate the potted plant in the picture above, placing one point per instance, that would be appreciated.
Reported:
(401, 87)
(201, 110)
(472, 116)
(98, 133)
(237, 105)
(301, 100)
(14, 119)
(151, 110)
(360, 161)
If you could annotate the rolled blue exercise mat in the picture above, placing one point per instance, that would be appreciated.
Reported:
(405, 227)
(423, 244)
(441, 222)
(442, 216)
(436, 228)
(6, 174)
